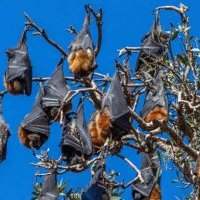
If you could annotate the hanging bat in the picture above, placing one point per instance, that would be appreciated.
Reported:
(113, 117)
(156, 107)
(150, 188)
(76, 143)
(155, 49)
(54, 92)
(81, 57)
(34, 129)
(4, 133)
(49, 187)
(18, 77)
(97, 189)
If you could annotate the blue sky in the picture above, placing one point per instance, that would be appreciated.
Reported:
(125, 22)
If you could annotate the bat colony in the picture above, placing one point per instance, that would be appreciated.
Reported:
(112, 118)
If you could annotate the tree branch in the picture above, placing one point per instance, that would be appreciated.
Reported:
(42, 32)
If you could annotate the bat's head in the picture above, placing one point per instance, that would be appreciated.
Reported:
(30, 139)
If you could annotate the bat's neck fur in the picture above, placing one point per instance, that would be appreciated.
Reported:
(100, 127)
(81, 61)
(157, 114)
(155, 194)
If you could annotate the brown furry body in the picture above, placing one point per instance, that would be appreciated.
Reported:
(81, 61)
(29, 139)
(14, 87)
(99, 127)
(155, 194)
(157, 114)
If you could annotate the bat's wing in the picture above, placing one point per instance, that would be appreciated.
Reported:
(49, 188)
(150, 171)
(117, 105)
(156, 98)
(55, 89)
(115, 99)
(19, 66)
(76, 139)
(155, 46)
(4, 134)
(84, 135)
(35, 123)
(96, 190)
(83, 39)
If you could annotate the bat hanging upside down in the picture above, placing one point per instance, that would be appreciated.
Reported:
(113, 117)
(18, 76)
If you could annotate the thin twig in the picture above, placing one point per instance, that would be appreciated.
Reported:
(42, 32)
(133, 166)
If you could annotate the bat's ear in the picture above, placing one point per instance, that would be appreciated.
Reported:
(115, 99)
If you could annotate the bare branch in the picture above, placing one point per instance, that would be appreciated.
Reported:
(42, 32)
